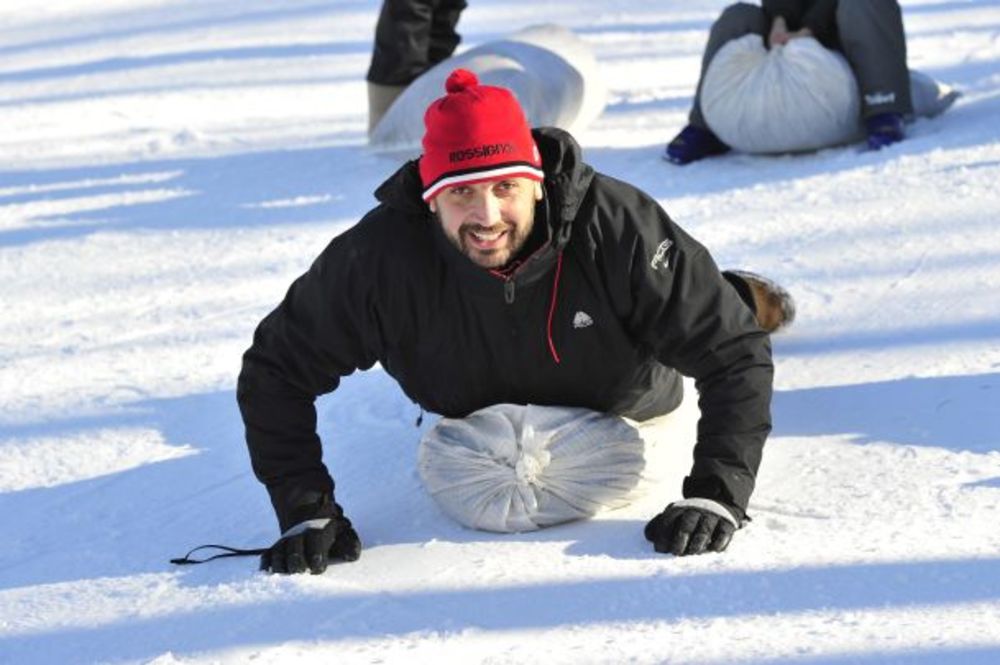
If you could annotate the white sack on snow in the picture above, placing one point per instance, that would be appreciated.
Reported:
(551, 71)
(800, 96)
(519, 468)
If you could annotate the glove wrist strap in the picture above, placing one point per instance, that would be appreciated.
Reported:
(186, 560)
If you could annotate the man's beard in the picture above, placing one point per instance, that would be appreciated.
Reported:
(511, 243)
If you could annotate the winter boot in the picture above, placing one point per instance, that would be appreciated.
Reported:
(380, 98)
(884, 129)
(692, 144)
(773, 305)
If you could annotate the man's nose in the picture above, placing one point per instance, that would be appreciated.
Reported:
(488, 209)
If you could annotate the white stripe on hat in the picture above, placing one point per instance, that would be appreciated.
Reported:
(517, 170)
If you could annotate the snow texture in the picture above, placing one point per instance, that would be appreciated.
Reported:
(167, 167)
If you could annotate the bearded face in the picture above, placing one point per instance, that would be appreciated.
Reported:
(489, 222)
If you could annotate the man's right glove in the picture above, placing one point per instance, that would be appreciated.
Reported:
(313, 544)
(692, 526)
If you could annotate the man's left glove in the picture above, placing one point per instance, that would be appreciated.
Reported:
(692, 526)
(313, 544)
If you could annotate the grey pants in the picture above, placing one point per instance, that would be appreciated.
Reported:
(870, 37)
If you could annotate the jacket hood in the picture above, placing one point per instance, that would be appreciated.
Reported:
(567, 179)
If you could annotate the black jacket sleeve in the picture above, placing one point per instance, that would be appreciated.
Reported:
(319, 333)
(694, 321)
(820, 16)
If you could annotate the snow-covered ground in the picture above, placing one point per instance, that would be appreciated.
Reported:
(167, 167)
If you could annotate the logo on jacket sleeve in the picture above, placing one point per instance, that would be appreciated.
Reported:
(661, 257)
(582, 320)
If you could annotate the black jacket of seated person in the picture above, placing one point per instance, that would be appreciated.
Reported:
(457, 337)
(820, 16)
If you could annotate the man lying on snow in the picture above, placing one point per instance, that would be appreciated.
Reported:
(464, 283)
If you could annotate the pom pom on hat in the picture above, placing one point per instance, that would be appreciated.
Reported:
(459, 80)
(475, 133)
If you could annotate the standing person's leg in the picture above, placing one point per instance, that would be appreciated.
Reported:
(400, 54)
(872, 39)
(444, 38)
(696, 140)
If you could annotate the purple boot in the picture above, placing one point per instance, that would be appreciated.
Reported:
(692, 144)
(884, 129)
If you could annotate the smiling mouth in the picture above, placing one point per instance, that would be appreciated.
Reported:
(486, 239)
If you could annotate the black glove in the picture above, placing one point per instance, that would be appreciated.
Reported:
(313, 544)
(692, 526)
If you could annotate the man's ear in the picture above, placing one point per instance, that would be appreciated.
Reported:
(538, 191)
(432, 204)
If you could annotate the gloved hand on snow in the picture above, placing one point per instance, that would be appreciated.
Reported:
(692, 526)
(313, 544)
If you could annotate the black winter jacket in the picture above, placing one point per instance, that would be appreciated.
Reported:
(820, 16)
(604, 315)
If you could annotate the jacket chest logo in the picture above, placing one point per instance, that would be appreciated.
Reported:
(582, 320)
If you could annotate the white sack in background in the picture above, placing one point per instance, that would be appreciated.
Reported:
(519, 468)
(929, 97)
(800, 96)
(551, 71)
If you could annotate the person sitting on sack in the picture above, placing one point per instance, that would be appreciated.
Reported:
(468, 282)
(868, 32)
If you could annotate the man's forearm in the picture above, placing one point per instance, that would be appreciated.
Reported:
(285, 450)
(735, 421)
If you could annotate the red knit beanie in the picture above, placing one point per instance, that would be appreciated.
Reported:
(475, 133)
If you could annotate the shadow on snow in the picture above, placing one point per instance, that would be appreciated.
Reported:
(349, 614)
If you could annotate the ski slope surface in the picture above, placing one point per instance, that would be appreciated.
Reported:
(168, 167)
